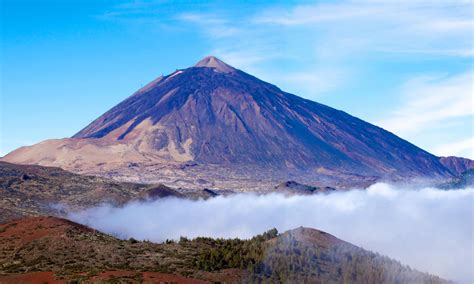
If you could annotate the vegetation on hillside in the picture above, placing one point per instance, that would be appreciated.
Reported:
(284, 258)
(302, 255)
(466, 179)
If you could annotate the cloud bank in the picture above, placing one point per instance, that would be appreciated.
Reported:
(430, 230)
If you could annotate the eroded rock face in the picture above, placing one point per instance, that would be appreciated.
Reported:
(212, 113)
(457, 165)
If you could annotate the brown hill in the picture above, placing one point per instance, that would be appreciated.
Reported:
(69, 251)
(214, 114)
(56, 249)
(30, 190)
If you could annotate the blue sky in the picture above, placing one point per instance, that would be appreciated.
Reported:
(404, 65)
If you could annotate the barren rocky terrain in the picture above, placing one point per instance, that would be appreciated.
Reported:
(214, 126)
(29, 190)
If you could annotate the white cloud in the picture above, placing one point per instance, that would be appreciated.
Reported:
(316, 13)
(428, 229)
(214, 26)
(385, 26)
(428, 102)
(462, 148)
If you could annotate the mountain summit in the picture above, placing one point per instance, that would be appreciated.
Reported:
(217, 64)
(215, 114)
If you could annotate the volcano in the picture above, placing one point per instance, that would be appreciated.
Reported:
(215, 114)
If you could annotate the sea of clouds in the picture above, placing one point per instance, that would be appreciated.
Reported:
(429, 229)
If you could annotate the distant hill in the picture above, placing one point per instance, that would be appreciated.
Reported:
(457, 165)
(30, 190)
(466, 179)
(63, 249)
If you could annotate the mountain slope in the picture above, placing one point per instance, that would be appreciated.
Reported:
(76, 252)
(223, 115)
(212, 113)
(27, 190)
(457, 165)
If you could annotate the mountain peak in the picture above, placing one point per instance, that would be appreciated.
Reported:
(209, 117)
(216, 63)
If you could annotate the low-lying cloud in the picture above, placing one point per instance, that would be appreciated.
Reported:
(429, 229)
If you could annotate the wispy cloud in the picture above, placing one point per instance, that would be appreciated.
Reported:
(462, 148)
(385, 26)
(214, 26)
(435, 111)
(431, 101)
(322, 29)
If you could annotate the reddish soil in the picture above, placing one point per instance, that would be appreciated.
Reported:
(30, 278)
(130, 277)
(22, 232)
(148, 277)
(33, 228)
